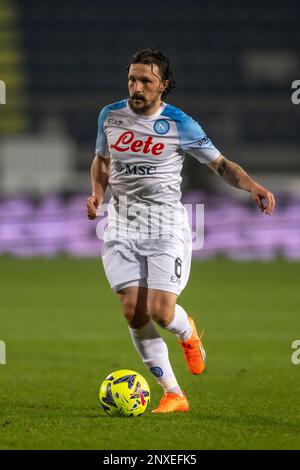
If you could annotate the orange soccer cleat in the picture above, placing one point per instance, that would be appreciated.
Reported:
(172, 402)
(194, 352)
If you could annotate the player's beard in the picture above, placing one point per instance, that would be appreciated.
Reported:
(143, 106)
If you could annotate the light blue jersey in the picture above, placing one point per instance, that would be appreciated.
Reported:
(147, 152)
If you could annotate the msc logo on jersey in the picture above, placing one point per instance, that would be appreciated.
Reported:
(161, 126)
(118, 167)
(134, 169)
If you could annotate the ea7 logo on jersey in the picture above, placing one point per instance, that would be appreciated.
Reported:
(114, 122)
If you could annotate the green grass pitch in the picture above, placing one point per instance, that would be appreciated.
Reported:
(64, 333)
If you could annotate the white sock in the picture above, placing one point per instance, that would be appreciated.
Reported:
(154, 353)
(180, 325)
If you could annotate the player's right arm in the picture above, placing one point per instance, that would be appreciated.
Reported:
(99, 175)
(100, 168)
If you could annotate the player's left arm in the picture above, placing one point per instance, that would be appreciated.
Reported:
(233, 174)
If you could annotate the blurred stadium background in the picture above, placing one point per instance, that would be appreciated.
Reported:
(62, 61)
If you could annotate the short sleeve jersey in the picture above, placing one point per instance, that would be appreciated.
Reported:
(147, 152)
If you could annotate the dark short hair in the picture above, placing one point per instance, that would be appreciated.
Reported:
(153, 56)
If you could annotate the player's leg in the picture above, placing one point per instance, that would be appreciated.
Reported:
(168, 273)
(164, 311)
(172, 317)
(126, 269)
(161, 309)
(147, 341)
(168, 314)
(134, 305)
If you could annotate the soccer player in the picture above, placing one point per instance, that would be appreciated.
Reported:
(140, 148)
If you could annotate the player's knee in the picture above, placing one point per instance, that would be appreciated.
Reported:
(135, 316)
(161, 308)
(129, 309)
(161, 315)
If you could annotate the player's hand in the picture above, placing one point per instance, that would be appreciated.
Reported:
(92, 204)
(263, 198)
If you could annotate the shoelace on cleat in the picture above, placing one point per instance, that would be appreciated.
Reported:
(167, 397)
(192, 349)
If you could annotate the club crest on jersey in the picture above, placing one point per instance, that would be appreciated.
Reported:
(161, 126)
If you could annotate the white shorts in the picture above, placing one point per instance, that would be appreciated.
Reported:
(162, 264)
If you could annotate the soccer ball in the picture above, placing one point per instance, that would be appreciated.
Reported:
(124, 393)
